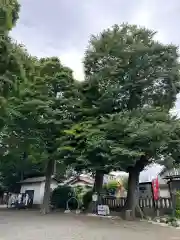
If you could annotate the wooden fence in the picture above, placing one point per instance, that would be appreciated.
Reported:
(162, 203)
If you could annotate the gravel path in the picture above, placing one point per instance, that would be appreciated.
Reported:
(30, 225)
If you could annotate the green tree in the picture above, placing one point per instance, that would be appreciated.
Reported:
(127, 70)
(12, 72)
(13, 169)
(44, 105)
(84, 148)
(54, 93)
(35, 104)
(15, 72)
(9, 13)
(139, 138)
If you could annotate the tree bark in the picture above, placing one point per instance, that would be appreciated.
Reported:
(133, 182)
(98, 184)
(45, 208)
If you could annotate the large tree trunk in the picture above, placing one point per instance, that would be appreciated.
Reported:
(132, 196)
(133, 183)
(45, 208)
(98, 184)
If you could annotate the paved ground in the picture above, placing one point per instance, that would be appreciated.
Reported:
(28, 225)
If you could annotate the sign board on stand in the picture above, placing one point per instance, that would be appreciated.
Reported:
(103, 210)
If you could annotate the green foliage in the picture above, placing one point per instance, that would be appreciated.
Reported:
(178, 204)
(36, 103)
(147, 132)
(113, 184)
(133, 68)
(118, 118)
(111, 187)
(80, 191)
(61, 195)
(9, 13)
(87, 199)
(14, 167)
(131, 83)
(178, 213)
(172, 221)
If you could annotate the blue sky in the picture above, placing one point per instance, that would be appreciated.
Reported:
(63, 28)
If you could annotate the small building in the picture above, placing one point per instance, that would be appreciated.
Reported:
(145, 190)
(35, 188)
(173, 182)
(169, 179)
(172, 178)
(82, 180)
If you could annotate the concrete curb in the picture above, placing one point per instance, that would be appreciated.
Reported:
(160, 224)
(101, 216)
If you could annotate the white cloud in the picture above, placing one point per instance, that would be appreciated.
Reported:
(38, 46)
(150, 173)
(63, 28)
(74, 59)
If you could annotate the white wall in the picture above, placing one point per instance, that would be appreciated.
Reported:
(54, 185)
(38, 190)
(164, 193)
(33, 186)
(145, 190)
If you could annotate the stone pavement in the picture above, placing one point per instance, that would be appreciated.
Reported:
(31, 225)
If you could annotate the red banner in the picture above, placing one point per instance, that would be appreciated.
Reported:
(155, 187)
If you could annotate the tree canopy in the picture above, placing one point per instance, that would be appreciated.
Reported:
(131, 84)
(36, 102)
(118, 118)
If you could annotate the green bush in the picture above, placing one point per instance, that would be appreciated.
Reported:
(87, 198)
(172, 221)
(178, 204)
(80, 191)
(177, 213)
(61, 195)
(111, 187)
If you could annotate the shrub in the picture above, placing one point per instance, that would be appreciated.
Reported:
(178, 204)
(111, 187)
(177, 213)
(172, 221)
(87, 198)
(80, 191)
(61, 195)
